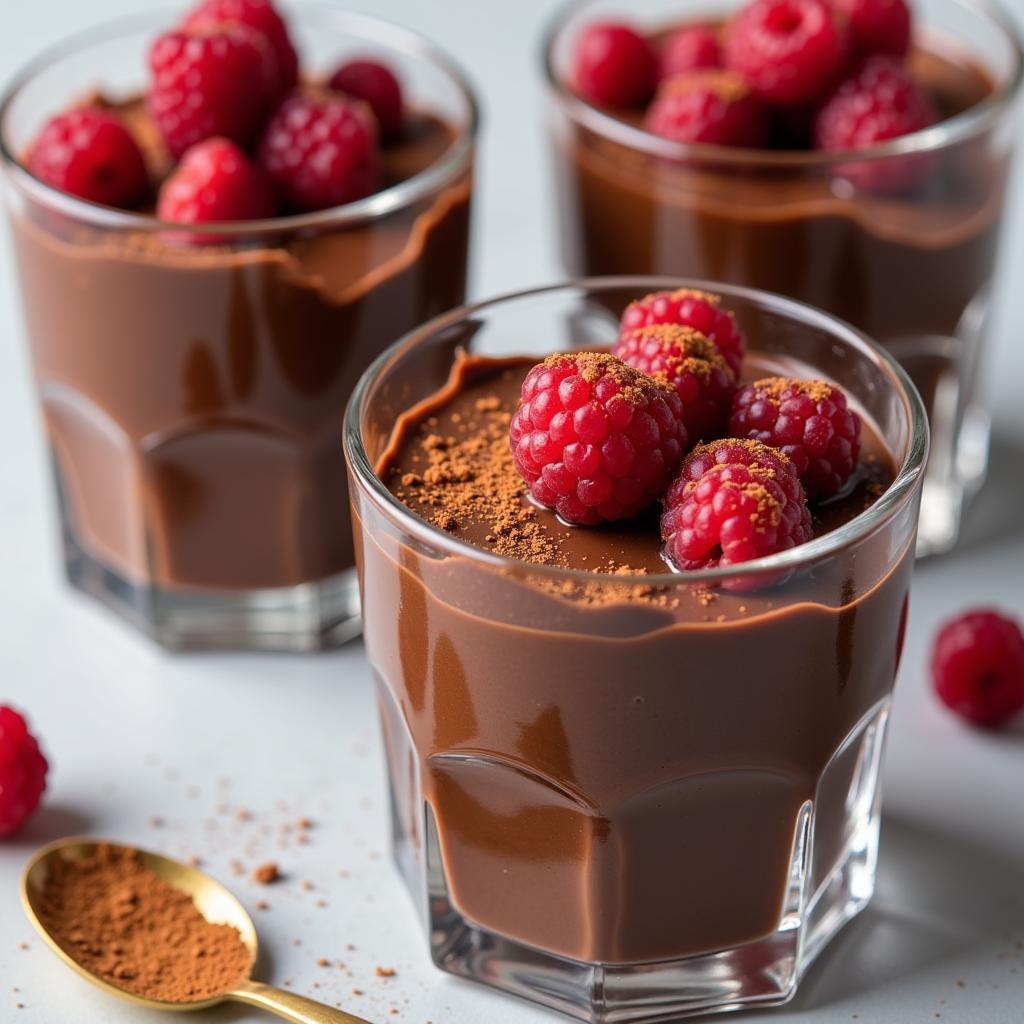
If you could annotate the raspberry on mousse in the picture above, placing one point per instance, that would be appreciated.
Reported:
(692, 364)
(377, 86)
(615, 66)
(690, 49)
(710, 105)
(692, 308)
(809, 421)
(595, 439)
(878, 26)
(733, 501)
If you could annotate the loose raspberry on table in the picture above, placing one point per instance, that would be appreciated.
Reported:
(90, 154)
(790, 51)
(710, 106)
(377, 86)
(692, 308)
(260, 16)
(689, 49)
(215, 181)
(878, 26)
(690, 363)
(978, 667)
(22, 771)
(808, 420)
(215, 82)
(615, 66)
(733, 501)
(595, 439)
(321, 150)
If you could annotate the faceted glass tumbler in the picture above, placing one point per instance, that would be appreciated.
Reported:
(634, 808)
(193, 386)
(902, 240)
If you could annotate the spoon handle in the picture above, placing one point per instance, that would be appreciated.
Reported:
(291, 1007)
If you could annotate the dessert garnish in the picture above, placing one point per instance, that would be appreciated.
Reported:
(978, 667)
(733, 501)
(22, 771)
(595, 439)
(710, 105)
(877, 26)
(377, 86)
(693, 365)
(615, 66)
(809, 421)
(689, 49)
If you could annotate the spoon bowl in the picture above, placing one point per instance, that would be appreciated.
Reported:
(214, 902)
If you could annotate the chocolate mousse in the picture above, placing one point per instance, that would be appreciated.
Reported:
(616, 771)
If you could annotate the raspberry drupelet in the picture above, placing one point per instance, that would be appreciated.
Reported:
(595, 439)
(711, 106)
(692, 364)
(978, 667)
(22, 771)
(692, 308)
(808, 420)
(733, 501)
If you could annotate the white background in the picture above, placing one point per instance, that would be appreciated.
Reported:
(134, 733)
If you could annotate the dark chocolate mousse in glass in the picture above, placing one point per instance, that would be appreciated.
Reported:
(193, 381)
(620, 789)
(899, 237)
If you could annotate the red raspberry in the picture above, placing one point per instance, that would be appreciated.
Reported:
(215, 181)
(880, 101)
(809, 421)
(596, 440)
(690, 49)
(90, 154)
(978, 667)
(213, 83)
(700, 310)
(615, 66)
(260, 16)
(791, 51)
(733, 501)
(878, 26)
(376, 86)
(711, 106)
(692, 364)
(22, 771)
(321, 151)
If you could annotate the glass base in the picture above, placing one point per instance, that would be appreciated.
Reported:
(758, 974)
(308, 617)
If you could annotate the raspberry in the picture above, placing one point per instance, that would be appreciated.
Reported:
(690, 49)
(878, 26)
(90, 154)
(711, 106)
(210, 83)
(596, 440)
(22, 771)
(691, 308)
(692, 364)
(978, 667)
(880, 101)
(789, 50)
(260, 16)
(734, 500)
(615, 66)
(215, 181)
(809, 421)
(321, 151)
(376, 86)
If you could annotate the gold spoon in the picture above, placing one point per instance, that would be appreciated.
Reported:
(212, 900)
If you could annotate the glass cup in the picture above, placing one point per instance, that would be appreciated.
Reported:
(901, 241)
(193, 387)
(631, 798)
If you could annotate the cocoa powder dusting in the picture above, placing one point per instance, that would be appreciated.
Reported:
(775, 387)
(114, 916)
(685, 350)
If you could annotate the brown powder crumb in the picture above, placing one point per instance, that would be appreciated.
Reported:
(156, 821)
(308, 886)
(112, 914)
(262, 905)
(775, 387)
(323, 962)
(490, 403)
(266, 874)
(686, 350)
(304, 824)
(384, 972)
(243, 815)
(357, 991)
(24, 946)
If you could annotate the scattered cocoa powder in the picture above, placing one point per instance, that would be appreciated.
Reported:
(266, 874)
(775, 387)
(385, 972)
(686, 350)
(114, 916)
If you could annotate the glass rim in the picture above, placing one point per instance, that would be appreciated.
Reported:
(862, 526)
(396, 197)
(948, 132)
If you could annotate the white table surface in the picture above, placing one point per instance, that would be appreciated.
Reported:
(134, 733)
